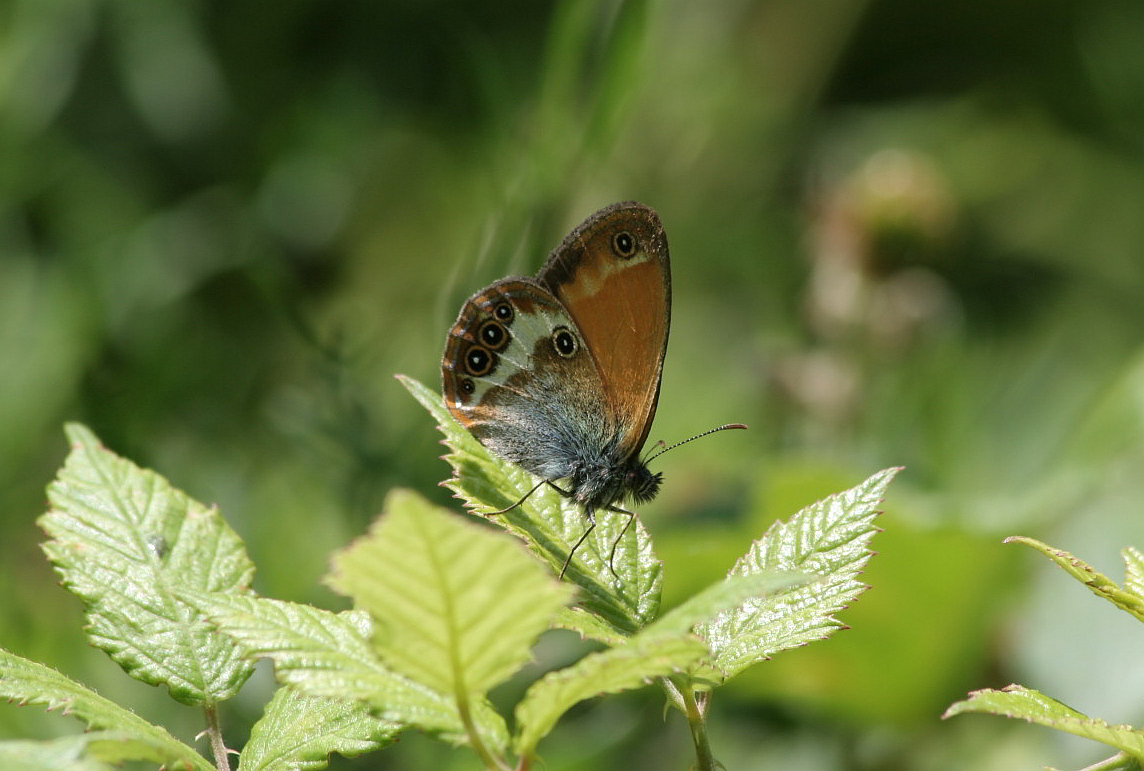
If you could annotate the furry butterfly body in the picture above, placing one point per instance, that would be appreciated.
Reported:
(560, 373)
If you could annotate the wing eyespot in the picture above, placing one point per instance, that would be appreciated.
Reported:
(624, 244)
(493, 335)
(503, 312)
(564, 342)
(479, 361)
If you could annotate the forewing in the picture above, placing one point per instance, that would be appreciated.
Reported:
(621, 303)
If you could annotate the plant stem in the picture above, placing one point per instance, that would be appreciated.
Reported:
(214, 730)
(491, 761)
(697, 720)
(1121, 760)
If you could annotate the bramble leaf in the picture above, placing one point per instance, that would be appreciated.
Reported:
(299, 732)
(456, 606)
(728, 594)
(1019, 702)
(631, 664)
(134, 738)
(1133, 570)
(589, 625)
(827, 541)
(550, 524)
(1127, 599)
(126, 542)
(329, 655)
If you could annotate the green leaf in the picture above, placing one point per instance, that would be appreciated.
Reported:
(30, 683)
(551, 524)
(90, 751)
(828, 541)
(299, 732)
(1133, 571)
(126, 542)
(1099, 584)
(66, 753)
(589, 625)
(457, 606)
(632, 664)
(325, 654)
(724, 596)
(1020, 702)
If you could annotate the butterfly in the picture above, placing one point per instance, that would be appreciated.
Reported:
(560, 374)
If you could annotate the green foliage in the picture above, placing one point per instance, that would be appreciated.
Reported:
(299, 732)
(902, 233)
(329, 655)
(456, 608)
(1128, 598)
(93, 751)
(1016, 701)
(445, 611)
(637, 661)
(126, 543)
(1019, 702)
(829, 539)
(31, 683)
(551, 524)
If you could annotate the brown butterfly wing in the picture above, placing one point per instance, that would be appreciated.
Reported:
(504, 380)
(620, 298)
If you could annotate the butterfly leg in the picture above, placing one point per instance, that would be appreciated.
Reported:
(566, 494)
(527, 495)
(591, 527)
(558, 488)
(591, 518)
(620, 537)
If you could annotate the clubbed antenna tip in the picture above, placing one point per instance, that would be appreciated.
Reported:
(724, 427)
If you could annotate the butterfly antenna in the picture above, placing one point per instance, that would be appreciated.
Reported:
(724, 427)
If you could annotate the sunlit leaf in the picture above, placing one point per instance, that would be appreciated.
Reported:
(1019, 702)
(457, 606)
(632, 664)
(329, 655)
(1134, 571)
(588, 625)
(125, 541)
(550, 524)
(724, 596)
(1099, 584)
(299, 732)
(27, 682)
(827, 541)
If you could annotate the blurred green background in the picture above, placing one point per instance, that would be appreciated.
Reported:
(902, 233)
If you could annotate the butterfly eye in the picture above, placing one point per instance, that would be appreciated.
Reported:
(503, 312)
(493, 335)
(624, 244)
(564, 342)
(479, 362)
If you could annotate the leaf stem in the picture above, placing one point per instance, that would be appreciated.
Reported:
(696, 712)
(491, 761)
(214, 730)
(1121, 760)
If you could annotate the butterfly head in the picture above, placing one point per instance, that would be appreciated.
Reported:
(603, 482)
(641, 483)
